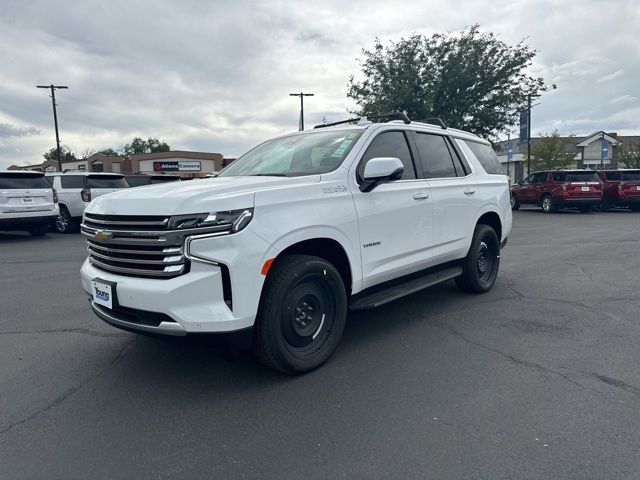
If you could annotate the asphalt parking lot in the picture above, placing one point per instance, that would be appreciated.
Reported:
(540, 378)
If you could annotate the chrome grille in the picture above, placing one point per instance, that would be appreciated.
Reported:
(139, 246)
(126, 222)
(157, 261)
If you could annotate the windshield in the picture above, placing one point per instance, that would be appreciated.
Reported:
(106, 181)
(582, 177)
(631, 176)
(312, 153)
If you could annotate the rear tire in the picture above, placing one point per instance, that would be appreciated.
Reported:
(604, 206)
(635, 208)
(38, 230)
(514, 204)
(548, 205)
(302, 314)
(65, 223)
(480, 266)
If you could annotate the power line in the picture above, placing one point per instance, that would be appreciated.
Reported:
(53, 89)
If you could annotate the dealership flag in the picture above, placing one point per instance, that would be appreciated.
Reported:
(524, 126)
(604, 150)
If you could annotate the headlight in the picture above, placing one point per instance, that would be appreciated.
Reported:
(226, 221)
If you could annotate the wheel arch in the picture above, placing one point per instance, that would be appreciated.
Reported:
(327, 248)
(493, 220)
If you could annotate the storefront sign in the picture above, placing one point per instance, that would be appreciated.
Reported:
(183, 166)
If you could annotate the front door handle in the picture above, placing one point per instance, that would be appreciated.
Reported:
(420, 196)
(470, 191)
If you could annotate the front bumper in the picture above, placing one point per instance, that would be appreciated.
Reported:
(193, 302)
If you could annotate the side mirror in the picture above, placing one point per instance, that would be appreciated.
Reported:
(379, 170)
(519, 182)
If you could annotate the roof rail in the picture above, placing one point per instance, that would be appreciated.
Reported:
(387, 118)
(434, 121)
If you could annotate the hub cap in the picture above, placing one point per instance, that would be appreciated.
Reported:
(309, 316)
(546, 203)
(62, 223)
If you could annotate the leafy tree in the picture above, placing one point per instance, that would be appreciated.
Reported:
(108, 151)
(471, 81)
(66, 155)
(151, 145)
(551, 152)
(630, 155)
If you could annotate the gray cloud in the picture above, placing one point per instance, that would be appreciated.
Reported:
(7, 130)
(216, 75)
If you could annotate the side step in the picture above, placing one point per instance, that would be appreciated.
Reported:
(399, 290)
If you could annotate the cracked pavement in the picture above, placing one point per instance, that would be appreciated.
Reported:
(540, 378)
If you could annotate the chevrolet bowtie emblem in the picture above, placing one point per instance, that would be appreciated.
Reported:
(102, 236)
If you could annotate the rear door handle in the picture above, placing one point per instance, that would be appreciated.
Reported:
(420, 196)
(470, 191)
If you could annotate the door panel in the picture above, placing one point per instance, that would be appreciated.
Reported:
(394, 218)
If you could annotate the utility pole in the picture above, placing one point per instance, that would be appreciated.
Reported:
(301, 95)
(529, 97)
(529, 133)
(55, 117)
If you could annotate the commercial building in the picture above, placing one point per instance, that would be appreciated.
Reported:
(176, 162)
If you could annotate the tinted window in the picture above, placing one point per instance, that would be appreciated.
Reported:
(50, 180)
(390, 144)
(435, 156)
(632, 176)
(138, 181)
(612, 176)
(486, 156)
(106, 181)
(558, 176)
(12, 181)
(540, 177)
(72, 181)
(582, 177)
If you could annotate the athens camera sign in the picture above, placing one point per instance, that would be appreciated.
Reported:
(184, 166)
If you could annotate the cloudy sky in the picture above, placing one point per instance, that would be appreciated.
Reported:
(215, 75)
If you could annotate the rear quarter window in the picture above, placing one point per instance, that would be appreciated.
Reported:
(15, 181)
(487, 157)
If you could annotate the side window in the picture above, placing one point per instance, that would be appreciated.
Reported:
(435, 156)
(390, 144)
(486, 156)
(50, 180)
(613, 176)
(72, 181)
(528, 180)
(540, 177)
(558, 176)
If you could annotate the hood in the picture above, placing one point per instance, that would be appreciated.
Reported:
(192, 196)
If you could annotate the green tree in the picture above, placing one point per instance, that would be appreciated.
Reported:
(108, 151)
(630, 155)
(66, 155)
(151, 145)
(551, 152)
(472, 81)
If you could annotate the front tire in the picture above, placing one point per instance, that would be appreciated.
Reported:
(548, 205)
(514, 203)
(302, 314)
(480, 266)
(39, 230)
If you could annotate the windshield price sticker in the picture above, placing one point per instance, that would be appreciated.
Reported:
(340, 150)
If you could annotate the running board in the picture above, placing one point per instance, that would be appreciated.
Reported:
(403, 289)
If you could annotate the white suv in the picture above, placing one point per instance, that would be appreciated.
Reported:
(27, 202)
(75, 191)
(296, 232)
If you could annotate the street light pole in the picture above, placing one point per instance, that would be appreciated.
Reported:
(55, 118)
(301, 95)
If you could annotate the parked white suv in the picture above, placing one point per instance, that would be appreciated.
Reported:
(296, 232)
(27, 202)
(76, 190)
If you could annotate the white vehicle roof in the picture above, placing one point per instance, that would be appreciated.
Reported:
(79, 172)
(22, 172)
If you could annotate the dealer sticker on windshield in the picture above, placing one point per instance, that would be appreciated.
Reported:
(102, 293)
